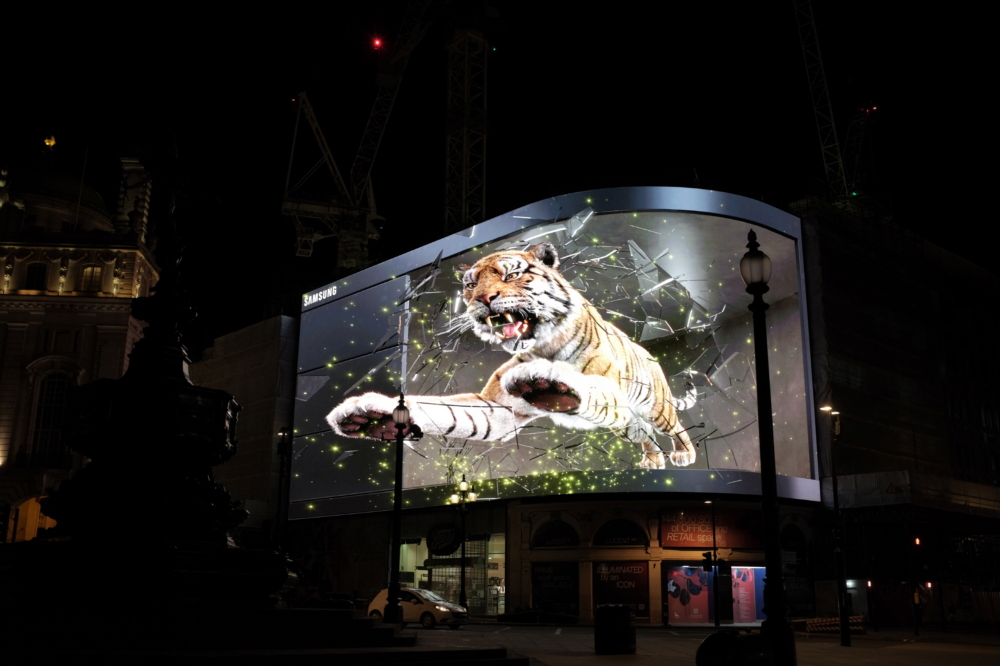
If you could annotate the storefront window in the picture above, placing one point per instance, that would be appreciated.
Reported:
(688, 596)
(625, 583)
(687, 593)
(496, 575)
(555, 587)
(485, 572)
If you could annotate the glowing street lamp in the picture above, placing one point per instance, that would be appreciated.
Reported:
(466, 493)
(755, 269)
(401, 417)
(839, 555)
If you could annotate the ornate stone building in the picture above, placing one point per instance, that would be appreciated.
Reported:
(71, 268)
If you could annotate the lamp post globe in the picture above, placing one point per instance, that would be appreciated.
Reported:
(755, 266)
(401, 414)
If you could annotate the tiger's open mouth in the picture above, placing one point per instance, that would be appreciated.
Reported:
(512, 325)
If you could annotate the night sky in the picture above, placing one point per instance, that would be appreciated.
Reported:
(633, 94)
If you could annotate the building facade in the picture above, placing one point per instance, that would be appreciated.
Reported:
(569, 514)
(913, 445)
(71, 270)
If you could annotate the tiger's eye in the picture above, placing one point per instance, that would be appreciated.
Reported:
(470, 285)
(512, 276)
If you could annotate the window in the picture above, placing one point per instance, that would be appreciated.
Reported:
(27, 520)
(47, 449)
(91, 279)
(37, 277)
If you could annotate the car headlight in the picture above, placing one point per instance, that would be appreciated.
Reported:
(441, 608)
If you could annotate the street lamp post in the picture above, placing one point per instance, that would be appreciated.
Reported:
(465, 494)
(285, 456)
(401, 417)
(755, 268)
(839, 556)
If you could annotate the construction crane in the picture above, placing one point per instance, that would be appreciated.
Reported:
(853, 144)
(842, 166)
(350, 214)
(833, 162)
(465, 155)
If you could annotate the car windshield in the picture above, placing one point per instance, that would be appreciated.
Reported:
(430, 596)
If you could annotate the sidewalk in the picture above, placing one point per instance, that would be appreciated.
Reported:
(574, 647)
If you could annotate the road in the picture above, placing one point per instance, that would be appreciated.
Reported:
(574, 646)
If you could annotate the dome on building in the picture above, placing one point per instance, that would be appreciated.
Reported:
(54, 195)
(56, 186)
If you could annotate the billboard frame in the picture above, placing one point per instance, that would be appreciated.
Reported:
(554, 209)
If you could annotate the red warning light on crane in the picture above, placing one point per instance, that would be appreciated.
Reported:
(377, 43)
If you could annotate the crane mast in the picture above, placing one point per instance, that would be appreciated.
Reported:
(833, 162)
(350, 213)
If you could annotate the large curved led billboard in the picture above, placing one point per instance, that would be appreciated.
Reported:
(605, 348)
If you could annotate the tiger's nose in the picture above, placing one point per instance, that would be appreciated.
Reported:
(487, 298)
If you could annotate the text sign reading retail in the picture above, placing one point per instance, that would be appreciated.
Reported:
(693, 529)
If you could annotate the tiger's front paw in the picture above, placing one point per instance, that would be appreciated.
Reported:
(549, 396)
(368, 415)
(682, 458)
(653, 460)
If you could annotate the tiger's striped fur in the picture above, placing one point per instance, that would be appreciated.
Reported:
(567, 364)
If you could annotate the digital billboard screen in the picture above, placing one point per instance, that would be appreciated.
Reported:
(591, 352)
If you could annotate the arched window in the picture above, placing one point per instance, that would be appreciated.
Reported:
(621, 532)
(47, 448)
(90, 279)
(36, 276)
(555, 534)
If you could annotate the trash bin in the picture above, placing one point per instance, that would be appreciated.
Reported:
(614, 629)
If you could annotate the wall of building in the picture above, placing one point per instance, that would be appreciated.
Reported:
(67, 325)
(257, 365)
(901, 334)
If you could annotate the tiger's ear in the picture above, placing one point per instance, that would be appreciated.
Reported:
(546, 253)
(460, 270)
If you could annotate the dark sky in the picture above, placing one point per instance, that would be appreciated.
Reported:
(578, 98)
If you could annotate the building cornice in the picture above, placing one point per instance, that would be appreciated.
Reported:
(16, 302)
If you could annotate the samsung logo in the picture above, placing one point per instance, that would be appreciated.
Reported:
(322, 294)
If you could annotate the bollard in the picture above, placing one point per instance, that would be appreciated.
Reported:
(614, 629)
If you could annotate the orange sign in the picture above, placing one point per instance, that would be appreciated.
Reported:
(693, 529)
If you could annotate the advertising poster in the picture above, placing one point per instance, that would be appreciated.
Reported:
(692, 528)
(688, 592)
(555, 587)
(745, 581)
(625, 583)
(760, 573)
(576, 355)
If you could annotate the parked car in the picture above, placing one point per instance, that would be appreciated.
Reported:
(422, 606)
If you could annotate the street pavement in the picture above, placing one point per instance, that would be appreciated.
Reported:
(672, 646)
